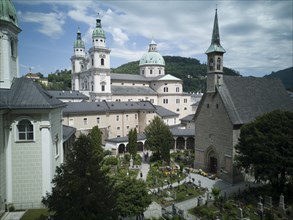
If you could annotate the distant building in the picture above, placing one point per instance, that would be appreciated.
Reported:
(229, 103)
(91, 76)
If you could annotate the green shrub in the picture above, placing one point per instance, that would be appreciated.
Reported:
(111, 161)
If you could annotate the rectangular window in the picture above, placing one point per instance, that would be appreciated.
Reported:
(85, 121)
(135, 116)
(126, 117)
(98, 120)
(118, 128)
(117, 118)
(165, 101)
(152, 100)
(127, 127)
(185, 100)
(177, 101)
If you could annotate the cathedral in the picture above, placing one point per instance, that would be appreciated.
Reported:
(91, 76)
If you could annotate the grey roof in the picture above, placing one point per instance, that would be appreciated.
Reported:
(102, 107)
(27, 94)
(245, 98)
(140, 136)
(68, 132)
(68, 95)
(165, 113)
(128, 77)
(132, 90)
(139, 78)
(187, 118)
(182, 132)
(85, 107)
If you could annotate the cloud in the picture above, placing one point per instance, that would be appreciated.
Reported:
(50, 23)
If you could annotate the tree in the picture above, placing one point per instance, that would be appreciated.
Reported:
(159, 138)
(81, 190)
(132, 142)
(96, 140)
(266, 146)
(133, 198)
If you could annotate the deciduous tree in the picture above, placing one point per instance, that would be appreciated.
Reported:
(266, 146)
(133, 198)
(81, 190)
(159, 138)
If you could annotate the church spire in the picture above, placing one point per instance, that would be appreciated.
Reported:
(215, 43)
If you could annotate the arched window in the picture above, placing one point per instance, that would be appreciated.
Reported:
(211, 64)
(103, 88)
(25, 130)
(177, 89)
(219, 63)
(102, 62)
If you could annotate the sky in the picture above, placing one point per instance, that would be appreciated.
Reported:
(257, 35)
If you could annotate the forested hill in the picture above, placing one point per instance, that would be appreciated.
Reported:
(285, 75)
(190, 70)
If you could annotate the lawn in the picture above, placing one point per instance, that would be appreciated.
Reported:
(33, 214)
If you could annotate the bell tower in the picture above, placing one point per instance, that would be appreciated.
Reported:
(9, 31)
(78, 60)
(215, 54)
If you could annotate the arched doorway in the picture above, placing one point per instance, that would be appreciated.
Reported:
(190, 143)
(139, 146)
(212, 160)
(121, 148)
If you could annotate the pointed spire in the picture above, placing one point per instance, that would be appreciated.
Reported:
(215, 42)
(216, 34)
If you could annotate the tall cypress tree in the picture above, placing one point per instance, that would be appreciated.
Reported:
(132, 142)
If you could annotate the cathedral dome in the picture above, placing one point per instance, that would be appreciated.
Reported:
(8, 12)
(78, 43)
(98, 32)
(152, 56)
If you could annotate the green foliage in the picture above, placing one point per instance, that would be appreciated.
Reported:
(133, 198)
(266, 146)
(132, 142)
(190, 70)
(81, 189)
(159, 138)
(96, 140)
(113, 161)
(60, 80)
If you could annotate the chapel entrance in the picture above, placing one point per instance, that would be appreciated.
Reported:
(213, 164)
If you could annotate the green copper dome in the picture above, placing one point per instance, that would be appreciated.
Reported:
(98, 31)
(79, 42)
(8, 12)
(152, 56)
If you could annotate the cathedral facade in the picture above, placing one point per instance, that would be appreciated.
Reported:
(91, 76)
